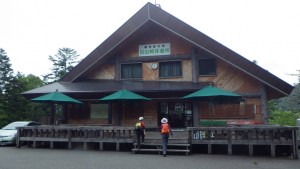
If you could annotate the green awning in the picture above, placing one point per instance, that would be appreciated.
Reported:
(124, 95)
(210, 91)
(55, 97)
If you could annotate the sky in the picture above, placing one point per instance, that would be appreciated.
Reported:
(267, 31)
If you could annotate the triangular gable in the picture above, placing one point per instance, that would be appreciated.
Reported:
(152, 13)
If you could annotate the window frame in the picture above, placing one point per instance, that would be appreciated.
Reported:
(136, 63)
(208, 72)
(164, 63)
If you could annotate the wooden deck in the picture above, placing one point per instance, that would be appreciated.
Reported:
(250, 136)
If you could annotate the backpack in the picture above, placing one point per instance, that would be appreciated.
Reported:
(165, 129)
(138, 126)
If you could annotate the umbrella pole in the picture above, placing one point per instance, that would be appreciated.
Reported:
(123, 112)
(211, 118)
(52, 113)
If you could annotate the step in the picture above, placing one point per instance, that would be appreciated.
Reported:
(159, 144)
(171, 150)
(135, 150)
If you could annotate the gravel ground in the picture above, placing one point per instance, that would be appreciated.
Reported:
(28, 158)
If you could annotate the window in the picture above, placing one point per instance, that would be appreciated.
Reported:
(207, 67)
(131, 71)
(170, 69)
(99, 111)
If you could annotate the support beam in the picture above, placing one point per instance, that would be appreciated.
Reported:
(264, 103)
(250, 149)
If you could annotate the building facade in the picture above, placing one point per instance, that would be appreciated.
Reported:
(160, 57)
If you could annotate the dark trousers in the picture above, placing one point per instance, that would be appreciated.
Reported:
(165, 139)
(140, 135)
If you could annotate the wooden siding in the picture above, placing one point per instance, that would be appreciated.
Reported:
(158, 35)
(150, 114)
(232, 79)
(104, 72)
(149, 73)
(226, 111)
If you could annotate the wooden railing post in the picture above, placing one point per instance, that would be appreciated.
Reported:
(229, 138)
(18, 144)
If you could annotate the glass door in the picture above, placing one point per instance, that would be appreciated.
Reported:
(179, 114)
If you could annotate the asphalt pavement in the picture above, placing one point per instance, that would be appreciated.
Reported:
(28, 158)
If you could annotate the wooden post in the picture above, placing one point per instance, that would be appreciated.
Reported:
(101, 146)
(69, 139)
(117, 146)
(209, 149)
(18, 144)
(229, 148)
(295, 144)
(273, 149)
(85, 145)
(264, 103)
(195, 114)
(250, 149)
(34, 136)
(229, 142)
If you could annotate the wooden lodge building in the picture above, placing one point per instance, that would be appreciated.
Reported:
(158, 56)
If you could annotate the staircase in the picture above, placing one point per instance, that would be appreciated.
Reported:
(178, 143)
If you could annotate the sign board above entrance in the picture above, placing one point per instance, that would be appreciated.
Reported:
(155, 49)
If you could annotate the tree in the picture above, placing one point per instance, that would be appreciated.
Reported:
(63, 62)
(286, 118)
(6, 72)
(6, 76)
(17, 106)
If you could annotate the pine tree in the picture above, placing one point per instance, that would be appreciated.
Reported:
(63, 62)
(6, 76)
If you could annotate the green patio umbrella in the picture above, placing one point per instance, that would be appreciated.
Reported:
(54, 98)
(123, 95)
(211, 93)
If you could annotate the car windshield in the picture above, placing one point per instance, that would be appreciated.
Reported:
(12, 126)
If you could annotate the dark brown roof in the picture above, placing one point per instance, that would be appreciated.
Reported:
(153, 14)
(109, 86)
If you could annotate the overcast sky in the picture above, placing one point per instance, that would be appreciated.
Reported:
(267, 31)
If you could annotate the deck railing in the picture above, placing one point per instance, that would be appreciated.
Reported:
(72, 134)
(268, 135)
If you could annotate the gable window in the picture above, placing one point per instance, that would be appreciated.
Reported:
(207, 67)
(170, 69)
(131, 71)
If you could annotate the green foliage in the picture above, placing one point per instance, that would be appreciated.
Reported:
(286, 118)
(6, 72)
(63, 62)
(289, 103)
(6, 76)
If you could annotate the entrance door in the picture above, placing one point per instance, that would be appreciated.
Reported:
(179, 114)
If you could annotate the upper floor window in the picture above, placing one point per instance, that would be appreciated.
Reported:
(170, 69)
(131, 71)
(207, 67)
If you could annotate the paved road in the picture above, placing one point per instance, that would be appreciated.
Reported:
(28, 158)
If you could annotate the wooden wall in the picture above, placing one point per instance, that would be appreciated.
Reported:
(228, 77)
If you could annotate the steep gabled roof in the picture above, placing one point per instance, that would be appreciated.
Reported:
(154, 14)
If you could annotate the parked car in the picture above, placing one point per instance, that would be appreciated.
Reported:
(9, 132)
